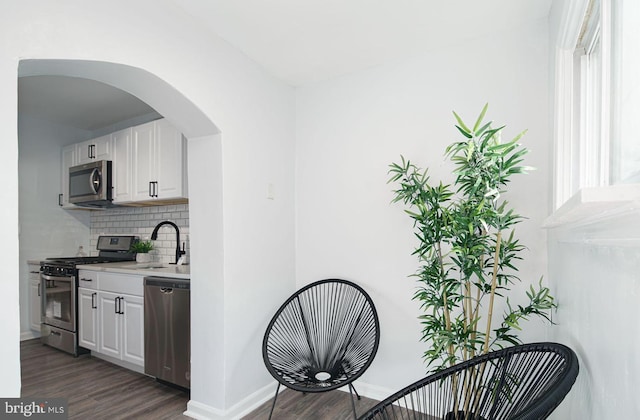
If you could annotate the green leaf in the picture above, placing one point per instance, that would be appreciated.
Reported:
(461, 123)
(519, 136)
(464, 133)
(480, 117)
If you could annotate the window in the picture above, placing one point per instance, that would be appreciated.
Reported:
(625, 151)
(597, 101)
(591, 141)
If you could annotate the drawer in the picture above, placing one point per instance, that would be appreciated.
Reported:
(34, 272)
(121, 283)
(88, 279)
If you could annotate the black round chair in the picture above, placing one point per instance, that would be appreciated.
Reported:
(322, 338)
(525, 382)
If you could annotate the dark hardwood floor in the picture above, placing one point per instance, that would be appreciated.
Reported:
(292, 405)
(96, 389)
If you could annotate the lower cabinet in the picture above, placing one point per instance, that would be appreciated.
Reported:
(34, 296)
(112, 323)
(121, 327)
(88, 318)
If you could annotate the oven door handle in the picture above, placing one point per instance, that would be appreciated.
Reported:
(57, 278)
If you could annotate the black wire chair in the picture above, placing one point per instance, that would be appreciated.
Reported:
(525, 382)
(322, 338)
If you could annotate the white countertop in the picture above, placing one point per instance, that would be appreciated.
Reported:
(141, 269)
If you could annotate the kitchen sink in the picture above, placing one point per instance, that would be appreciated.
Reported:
(147, 266)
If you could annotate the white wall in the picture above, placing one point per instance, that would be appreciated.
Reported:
(593, 272)
(46, 230)
(350, 129)
(255, 115)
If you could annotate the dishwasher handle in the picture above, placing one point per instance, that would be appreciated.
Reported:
(166, 284)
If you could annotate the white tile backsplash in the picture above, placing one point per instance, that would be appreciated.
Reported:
(140, 221)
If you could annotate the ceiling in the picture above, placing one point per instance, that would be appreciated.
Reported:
(306, 41)
(75, 102)
(298, 41)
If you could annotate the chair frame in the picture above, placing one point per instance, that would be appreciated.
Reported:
(535, 401)
(308, 386)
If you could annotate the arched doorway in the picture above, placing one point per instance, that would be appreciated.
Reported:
(205, 194)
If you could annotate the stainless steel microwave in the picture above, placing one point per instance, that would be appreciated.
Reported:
(90, 184)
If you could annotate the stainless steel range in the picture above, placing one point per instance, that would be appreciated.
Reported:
(59, 291)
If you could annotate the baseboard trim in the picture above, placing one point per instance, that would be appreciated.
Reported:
(122, 363)
(28, 335)
(200, 411)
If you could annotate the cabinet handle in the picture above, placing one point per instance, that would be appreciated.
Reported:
(38, 289)
(60, 200)
(93, 300)
(91, 151)
(119, 300)
(153, 188)
(83, 279)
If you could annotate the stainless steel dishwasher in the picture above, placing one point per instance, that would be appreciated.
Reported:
(167, 343)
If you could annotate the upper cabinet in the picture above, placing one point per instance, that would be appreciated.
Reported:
(158, 163)
(80, 153)
(121, 166)
(149, 164)
(68, 160)
(94, 149)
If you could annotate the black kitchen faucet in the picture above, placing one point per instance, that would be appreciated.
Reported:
(154, 236)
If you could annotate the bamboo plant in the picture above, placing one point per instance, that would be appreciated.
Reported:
(467, 246)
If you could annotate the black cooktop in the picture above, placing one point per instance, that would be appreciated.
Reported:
(88, 260)
(112, 248)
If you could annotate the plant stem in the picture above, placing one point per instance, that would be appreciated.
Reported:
(447, 315)
(468, 315)
(476, 309)
(494, 281)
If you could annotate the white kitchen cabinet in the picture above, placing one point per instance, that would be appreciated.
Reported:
(122, 169)
(121, 326)
(88, 318)
(158, 156)
(149, 163)
(34, 296)
(110, 325)
(133, 329)
(111, 315)
(68, 160)
(170, 161)
(94, 150)
(88, 279)
(142, 154)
